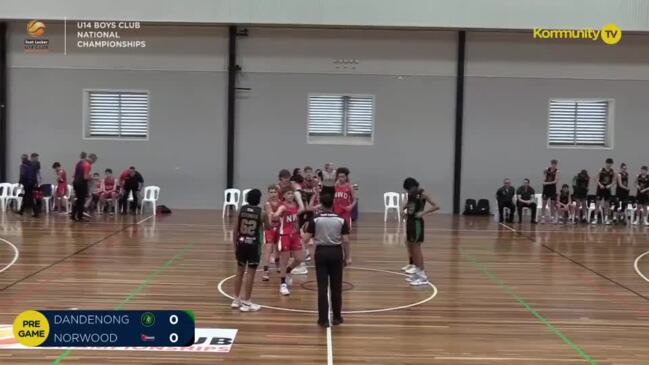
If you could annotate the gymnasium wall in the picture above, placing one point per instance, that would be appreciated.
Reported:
(182, 67)
(411, 76)
(510, 79)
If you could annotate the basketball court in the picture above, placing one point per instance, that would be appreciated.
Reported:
(499, 294)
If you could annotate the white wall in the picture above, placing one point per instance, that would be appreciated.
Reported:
(182, 69)
(411, 76)
(509, 83)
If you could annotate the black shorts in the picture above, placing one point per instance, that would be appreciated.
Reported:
(414, 230)
(603, 194)
(622, 195)
(550, 192)
(581, 194)
(248, 254)
(643, 198)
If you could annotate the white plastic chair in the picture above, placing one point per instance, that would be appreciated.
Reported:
(6, 190)
(231, 198)
(630, 213)
(244, 196)
(402, 201)
(47, 200)
(539, 204)
(16, 190)
(391, 201)
(592, 209)
(151, 194)
(68, 199)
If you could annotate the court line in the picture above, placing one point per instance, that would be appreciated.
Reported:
(145, 219)
(330, 346)
(637, 270)
(68, 256)
(16, 254)
(135, 292)
(508, 227)
(531, 239)
(500, 283)
(220, 288)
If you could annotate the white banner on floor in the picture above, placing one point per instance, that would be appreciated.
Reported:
(205, 340)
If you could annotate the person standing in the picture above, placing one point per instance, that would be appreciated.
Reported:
(642, 184)
(505, 197)
(549, 198)
(580, 188)
(525, 195)
(605, 181)
(131, 182)
(82, 177)
(329, 178)
(28, 181)
(36, 164)
(621, 194)
(330, 233)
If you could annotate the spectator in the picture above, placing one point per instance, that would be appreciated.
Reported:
(108, 190)
(526, 199)
(329, 178)
(36, 164)
(131, 182)
(28, 181)
(82, 177)
(505, 197)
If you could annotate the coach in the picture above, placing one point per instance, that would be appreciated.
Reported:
(330, 233)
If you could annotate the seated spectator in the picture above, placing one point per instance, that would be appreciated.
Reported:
(565, 206)
(505, 197)
(94, 192)
(108, 195)
(526, 199)
(580, 188)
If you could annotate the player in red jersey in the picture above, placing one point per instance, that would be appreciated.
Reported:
(284, 181)
(344, 200)
(61, 186)
(108, 190)
(290, 242)
(271, 233)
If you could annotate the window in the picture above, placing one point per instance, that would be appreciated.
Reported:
(580, 123)
(341, 119)
(117, 114)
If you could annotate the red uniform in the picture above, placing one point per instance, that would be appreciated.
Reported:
(289, 231)
(342, 199)
(280, 194)
(272, 232)
(108, 191)
(61, 183)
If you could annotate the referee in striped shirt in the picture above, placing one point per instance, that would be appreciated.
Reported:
(330, 232)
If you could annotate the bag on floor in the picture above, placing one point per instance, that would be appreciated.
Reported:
(483, 207)
(470, 207)
(163, 209)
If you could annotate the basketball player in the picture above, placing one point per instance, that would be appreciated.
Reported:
(247, 245)
(622, 193)
(580, 187)
(605, 181)
(272, 229)
(284, 181)
(108, 190)
(551, 178)
(414, 214)
(344, 200)
(289, 238)
(308, 192)
(642, 184)
(329, 178)
(565, 208)
(61, 186)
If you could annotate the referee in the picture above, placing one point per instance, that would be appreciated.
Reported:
(330, 233)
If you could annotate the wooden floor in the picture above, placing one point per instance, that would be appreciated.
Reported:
(547, 294)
